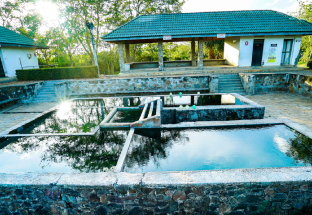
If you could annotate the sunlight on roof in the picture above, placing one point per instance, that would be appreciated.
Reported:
(49, 12)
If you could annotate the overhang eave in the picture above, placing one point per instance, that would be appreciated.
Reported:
(177, 38)
(23, 46)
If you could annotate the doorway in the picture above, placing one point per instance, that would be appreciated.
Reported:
(257, 52)
(286, 53)
(1, 69)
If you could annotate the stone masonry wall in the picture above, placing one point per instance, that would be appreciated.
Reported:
(24, 92)
(238, 198)
(136, 85)
(261, 83)
(172, 116)
(301, 84)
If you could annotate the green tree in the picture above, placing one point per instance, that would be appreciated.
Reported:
(305, 13)
(13, 17)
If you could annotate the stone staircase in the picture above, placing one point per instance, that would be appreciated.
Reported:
(47, 92)
(231, 83)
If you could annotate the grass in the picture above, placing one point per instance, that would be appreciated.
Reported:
(302, 65)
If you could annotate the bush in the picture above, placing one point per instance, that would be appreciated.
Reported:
(310, 64)
(57, 73)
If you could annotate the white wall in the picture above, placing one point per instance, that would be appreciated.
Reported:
(296, 50)
(10, 59)
(245, 55)
(231, 50)
(245, 51)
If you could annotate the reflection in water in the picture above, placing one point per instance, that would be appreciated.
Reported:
(151, 144)
(109, 102)
(208, 149)
(69, 120)
(62, 153)
(300, 149)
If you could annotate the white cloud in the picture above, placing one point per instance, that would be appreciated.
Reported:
(273, 3)
(212, 5)
(291, 9)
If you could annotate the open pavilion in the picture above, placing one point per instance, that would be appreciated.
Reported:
(251, 38)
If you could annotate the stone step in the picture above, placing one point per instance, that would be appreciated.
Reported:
(229, 82)
(230, 85)
(228, 79)
(47, 91)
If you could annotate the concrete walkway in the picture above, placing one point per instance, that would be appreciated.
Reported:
(286, 105)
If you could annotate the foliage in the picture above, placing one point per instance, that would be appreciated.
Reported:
(13, 17)
(305, 13)
(309, 64)
(215, 49)
(300, 149)
(57, 73)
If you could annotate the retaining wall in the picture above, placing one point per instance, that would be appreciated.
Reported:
(262, 83)
(136, 85)
(25, 93)
(123, 193)
(250, 110)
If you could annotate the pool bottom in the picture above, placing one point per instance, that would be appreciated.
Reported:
(217, 149)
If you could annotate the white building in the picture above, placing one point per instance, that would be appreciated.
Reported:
(262, 51)
(251, 38)
(16, 52)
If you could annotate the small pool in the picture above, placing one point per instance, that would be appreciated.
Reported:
(62, 153)
(199, 100)
(126, 116)
(153, 150)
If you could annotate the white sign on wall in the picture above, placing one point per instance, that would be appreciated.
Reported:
(272, 53)
(167, 38)
(220, 35)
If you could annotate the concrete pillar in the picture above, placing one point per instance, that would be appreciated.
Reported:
(200, 53)
(160, 56)
(193, 53)
(128, 60)
(121, 57)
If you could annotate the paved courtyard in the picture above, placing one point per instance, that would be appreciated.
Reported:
(286, 105)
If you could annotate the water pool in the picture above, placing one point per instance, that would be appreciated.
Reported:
(62, 153)
(210, 149)
(199, 100)
(67, 120)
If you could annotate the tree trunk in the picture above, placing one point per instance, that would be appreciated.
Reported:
(211, 54)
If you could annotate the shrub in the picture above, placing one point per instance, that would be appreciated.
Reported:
(310, 64)
(57, 73)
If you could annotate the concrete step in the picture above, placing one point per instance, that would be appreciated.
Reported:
(230, 85)
(47, 91)
(224, 87)
(229, 79)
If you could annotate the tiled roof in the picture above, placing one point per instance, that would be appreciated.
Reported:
(12, 38)
(209, 24)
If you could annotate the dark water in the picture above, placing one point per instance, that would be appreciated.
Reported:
(201, 100)
(62, 153)
(126, 116)
(68, 120)
(111, 102)
(208, 149)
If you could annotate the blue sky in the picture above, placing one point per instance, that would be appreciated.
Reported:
(284, 6)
